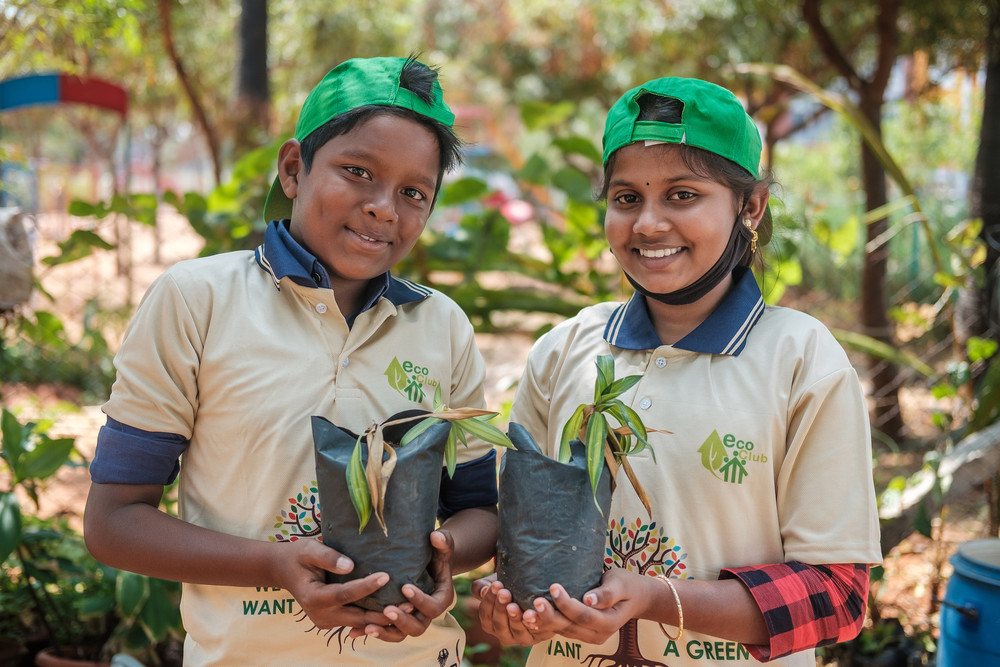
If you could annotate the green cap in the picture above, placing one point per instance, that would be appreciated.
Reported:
(712, 119)
(356, 83)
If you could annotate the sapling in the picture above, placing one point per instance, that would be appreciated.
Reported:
(603, 443)
(367, 484)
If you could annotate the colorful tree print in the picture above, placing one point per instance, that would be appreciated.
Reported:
(301, 519)
(638, 547)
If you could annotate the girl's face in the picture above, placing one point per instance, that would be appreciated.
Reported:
(666, 225)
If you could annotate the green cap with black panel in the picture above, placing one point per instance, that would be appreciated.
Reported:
(356, 83)
(713, 119)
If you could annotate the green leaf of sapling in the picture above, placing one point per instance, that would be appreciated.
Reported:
(619, 387)
(482, 429)
(605, 375)
(451, 451)
(569, 433)
(419, 428)
(357, 487)
(597, 429)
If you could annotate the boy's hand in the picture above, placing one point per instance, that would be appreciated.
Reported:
(412, 618)
(326, 605)
(500, 616)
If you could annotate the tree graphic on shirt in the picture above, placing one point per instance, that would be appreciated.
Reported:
(638, 547)
(301, 519)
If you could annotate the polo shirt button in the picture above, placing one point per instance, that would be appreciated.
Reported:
(320, 308)
(661, 362)
(346, 361)
(645, 403)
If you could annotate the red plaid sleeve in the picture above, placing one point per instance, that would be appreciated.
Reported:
(805, 606)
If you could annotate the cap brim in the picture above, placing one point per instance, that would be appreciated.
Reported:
(277, 206)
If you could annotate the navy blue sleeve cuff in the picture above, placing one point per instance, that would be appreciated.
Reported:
(474, 485)
(129, 455)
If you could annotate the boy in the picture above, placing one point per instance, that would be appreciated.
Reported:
(229, 356)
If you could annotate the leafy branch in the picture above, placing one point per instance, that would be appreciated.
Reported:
(367, 484)
(602, 442)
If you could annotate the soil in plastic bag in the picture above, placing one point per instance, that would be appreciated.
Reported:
(410, 513)
(550, 530)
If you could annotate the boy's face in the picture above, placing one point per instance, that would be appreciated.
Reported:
(365, 201)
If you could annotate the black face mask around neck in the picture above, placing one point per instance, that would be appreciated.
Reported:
(736, 249)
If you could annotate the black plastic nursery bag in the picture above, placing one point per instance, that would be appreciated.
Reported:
(410, 513)
(550, 531)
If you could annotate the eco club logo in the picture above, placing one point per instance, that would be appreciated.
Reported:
(409, 379)
(726, 457)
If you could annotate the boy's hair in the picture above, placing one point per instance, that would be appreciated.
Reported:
(654, 109)
(359, 89)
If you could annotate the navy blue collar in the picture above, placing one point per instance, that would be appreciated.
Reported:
(723, 332)
(281, 256)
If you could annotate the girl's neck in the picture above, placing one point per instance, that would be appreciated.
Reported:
(672, 323)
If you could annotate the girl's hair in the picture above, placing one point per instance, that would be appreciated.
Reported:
(663, 109)
(415, 77)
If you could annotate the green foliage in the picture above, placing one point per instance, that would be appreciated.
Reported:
(37, 349)
(51, 583)
(231, 217)
(568, 270)
(367, 484)
(589, 424)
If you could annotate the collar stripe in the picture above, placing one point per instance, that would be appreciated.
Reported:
(740, 339)
(421, 291)
(724, 331)
(259, 253)
(615, 323)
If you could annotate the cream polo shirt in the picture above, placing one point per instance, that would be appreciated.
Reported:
(763, 454)
(227, 355)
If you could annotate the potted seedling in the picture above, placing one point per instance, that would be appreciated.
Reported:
(561, 540)
(396, 478)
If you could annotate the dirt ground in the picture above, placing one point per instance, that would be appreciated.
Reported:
(916, 570)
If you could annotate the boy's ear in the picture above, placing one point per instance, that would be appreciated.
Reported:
(290, 166)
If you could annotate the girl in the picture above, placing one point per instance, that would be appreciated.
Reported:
(763, 508)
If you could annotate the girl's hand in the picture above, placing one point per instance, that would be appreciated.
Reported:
(604, 610)
(501, 617)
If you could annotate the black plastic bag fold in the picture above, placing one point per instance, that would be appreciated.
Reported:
(410, 512)
(550, 530)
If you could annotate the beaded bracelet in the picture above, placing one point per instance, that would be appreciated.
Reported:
(680, 610)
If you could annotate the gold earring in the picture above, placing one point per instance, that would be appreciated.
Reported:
(753, 238)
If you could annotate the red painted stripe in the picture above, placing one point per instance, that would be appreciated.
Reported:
(93, 91)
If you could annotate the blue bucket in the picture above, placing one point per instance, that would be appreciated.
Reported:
(970, 611)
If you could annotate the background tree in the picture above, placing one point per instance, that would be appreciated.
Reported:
(251, 111)
(985, 203)
(882, 35)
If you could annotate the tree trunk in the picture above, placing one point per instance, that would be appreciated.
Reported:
(870, 91)
(252, 109)
(199, 110)
(985, 198)
(885, 376)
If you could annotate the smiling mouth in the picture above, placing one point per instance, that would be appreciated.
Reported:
(659, 252)
(369, 239)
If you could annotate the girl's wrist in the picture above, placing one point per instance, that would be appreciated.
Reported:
(661, 605)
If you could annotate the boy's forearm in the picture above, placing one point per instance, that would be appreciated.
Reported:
(475, 533)
(124, 528)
